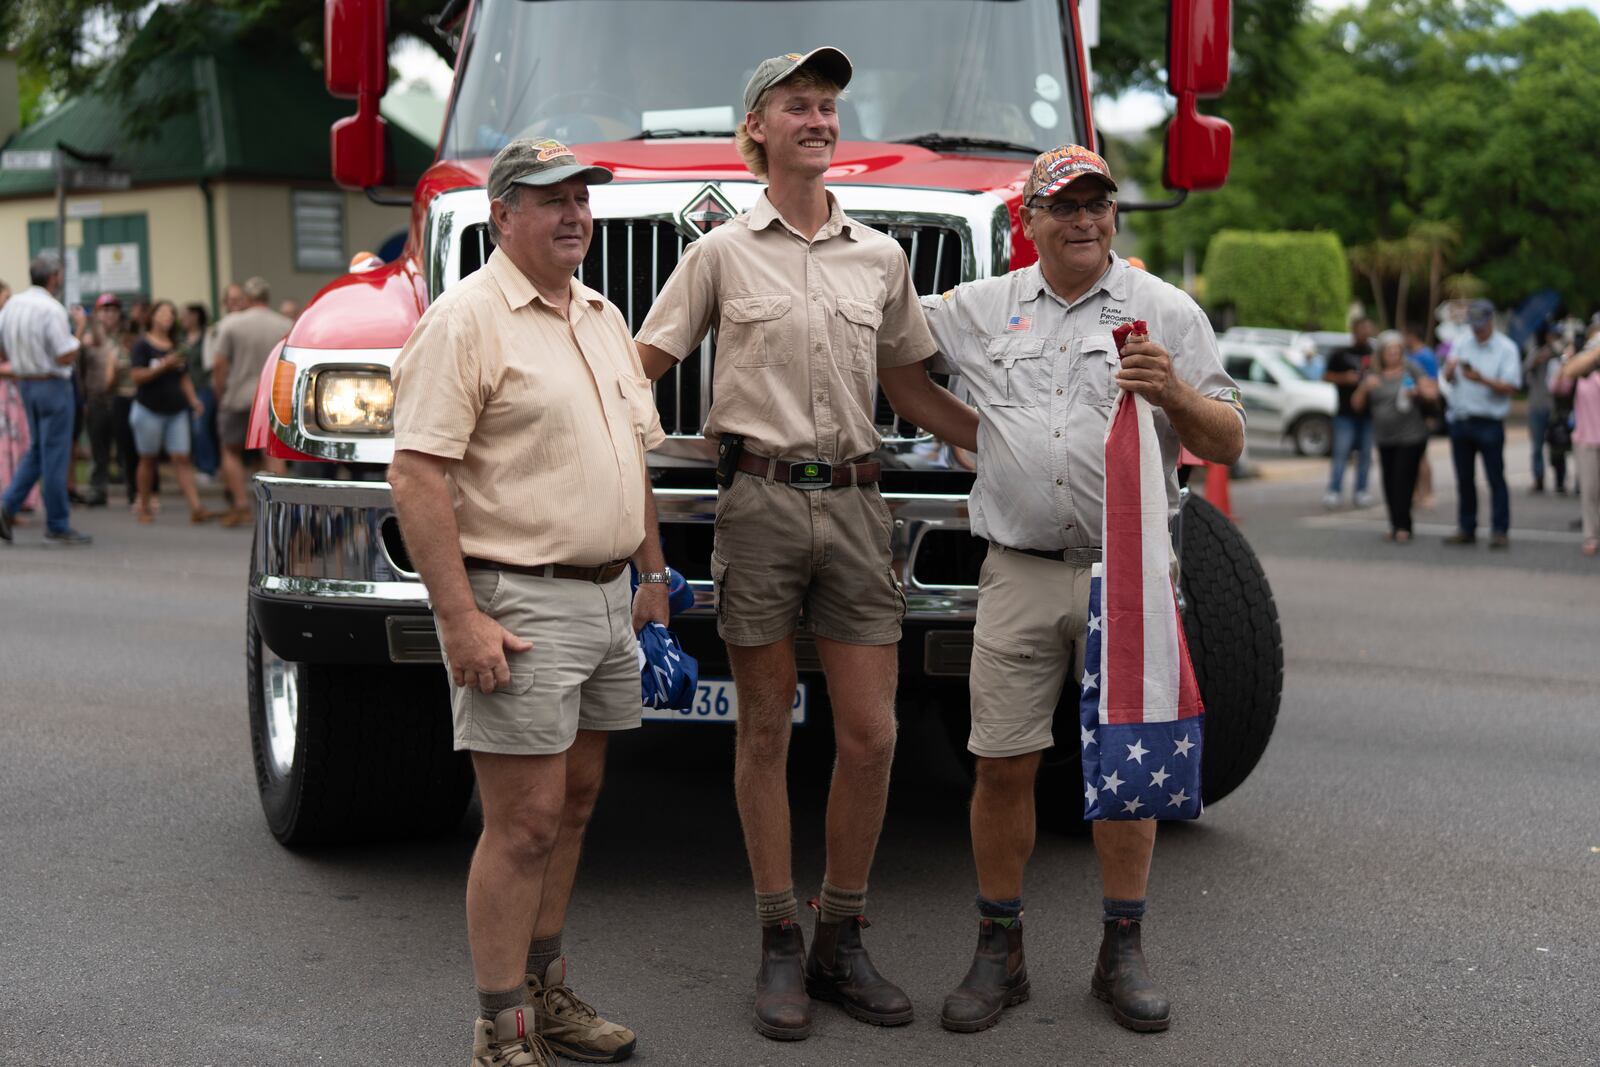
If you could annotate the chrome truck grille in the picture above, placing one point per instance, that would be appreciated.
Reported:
(629, 261)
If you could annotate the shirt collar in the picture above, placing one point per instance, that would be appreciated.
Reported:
(519, 291)
(763, 214)
(1114, 283)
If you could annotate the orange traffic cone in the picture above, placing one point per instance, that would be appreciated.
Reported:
(1217, 488)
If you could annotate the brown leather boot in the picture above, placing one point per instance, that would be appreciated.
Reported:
(997, 980)
(839, 970)
(1122, 979)
(783, 1010)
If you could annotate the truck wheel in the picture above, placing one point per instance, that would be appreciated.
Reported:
(1312, 435)
(352, 753)
(1236, 645)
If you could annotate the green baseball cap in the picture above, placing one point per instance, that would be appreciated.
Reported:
(829, 62)
(529, 162)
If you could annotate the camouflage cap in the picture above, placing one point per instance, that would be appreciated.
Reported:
(529, 162)
(1058, 168)
(829, 62)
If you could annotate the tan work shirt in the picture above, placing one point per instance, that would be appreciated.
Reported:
(1042, 374)
(549, 418)
(802, 327)
(245, 339)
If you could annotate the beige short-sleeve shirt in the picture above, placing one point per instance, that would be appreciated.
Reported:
(802, 327)
(548, 418)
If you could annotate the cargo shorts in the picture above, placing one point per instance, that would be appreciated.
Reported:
(1032, 619)
(582, 672)
(785, 558)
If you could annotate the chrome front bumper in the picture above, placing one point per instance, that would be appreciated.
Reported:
(336, 544)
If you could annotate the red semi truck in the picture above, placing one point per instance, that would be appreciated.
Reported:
(951, 100)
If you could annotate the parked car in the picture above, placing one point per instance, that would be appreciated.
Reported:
(1307, 350)
(1279, 398)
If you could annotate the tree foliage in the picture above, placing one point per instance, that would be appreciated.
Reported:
(1296, 281)
(1437, 137)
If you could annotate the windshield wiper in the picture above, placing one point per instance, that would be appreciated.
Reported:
(672, 134)
(956, 140)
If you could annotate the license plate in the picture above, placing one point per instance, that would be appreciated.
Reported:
(716, 700)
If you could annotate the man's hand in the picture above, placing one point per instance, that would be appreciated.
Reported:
(198, 408)
(650, 605)
(475, 647)
(1147, 371)
(80, 318)
(1470, 373)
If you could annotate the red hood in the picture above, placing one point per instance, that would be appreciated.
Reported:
(711, 159)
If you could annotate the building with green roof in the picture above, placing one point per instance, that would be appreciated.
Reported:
(230, 178)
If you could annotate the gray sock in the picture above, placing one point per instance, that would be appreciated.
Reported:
(841, 904)
(542, 953)
(492, 1004)
(774, 908)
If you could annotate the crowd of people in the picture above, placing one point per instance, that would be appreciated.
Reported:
(124, 387)
(1395, 392)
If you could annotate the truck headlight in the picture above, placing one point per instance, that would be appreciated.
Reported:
(354, 402)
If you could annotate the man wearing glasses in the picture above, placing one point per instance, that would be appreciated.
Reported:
(1035, 348)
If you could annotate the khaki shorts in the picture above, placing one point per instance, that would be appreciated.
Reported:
(582, 672)
(785, 557)
(233, 427)
(1032, 618)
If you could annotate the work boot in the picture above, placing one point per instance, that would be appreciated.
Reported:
(509, 1041)
(839, 970)
(783, 1010)
(571, 1027)
(1122, 979)
(997, 980)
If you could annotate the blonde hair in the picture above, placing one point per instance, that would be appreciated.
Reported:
(752, 151)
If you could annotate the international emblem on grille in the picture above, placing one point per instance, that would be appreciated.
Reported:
(708, 210)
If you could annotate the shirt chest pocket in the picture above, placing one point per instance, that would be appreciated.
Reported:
(758, 330)
(857, 323)
(638, 401)
(1097, 366)
(1020, 372)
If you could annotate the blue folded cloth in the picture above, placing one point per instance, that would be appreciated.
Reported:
(680, 597)
(668, 674)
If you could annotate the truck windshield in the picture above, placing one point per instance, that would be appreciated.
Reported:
(602, 70)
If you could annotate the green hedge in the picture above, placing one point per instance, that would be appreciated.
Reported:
(1292, 280)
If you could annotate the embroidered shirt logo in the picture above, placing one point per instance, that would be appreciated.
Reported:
(1110, 316)
(1019, 324)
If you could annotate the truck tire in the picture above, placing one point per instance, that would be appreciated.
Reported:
(352, 753)
(1312, 435)
(1236, 645)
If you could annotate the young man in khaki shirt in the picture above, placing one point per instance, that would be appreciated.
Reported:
(522, 419)
(810, 306)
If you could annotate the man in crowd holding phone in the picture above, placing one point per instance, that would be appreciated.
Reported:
(1484, 371)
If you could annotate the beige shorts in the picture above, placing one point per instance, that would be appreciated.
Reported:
(787, 557)
(1032, 617)
(582, 672)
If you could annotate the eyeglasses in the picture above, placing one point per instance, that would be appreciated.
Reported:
(1067, 210)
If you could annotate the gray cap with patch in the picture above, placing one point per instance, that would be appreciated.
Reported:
(529, 162)
(829, 62)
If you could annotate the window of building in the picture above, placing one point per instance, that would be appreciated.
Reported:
(318, 230)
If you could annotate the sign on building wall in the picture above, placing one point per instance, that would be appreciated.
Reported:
(118, 268)
(118, 242)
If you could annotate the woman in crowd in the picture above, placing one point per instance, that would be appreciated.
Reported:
(162, 409)
(206, 457)
(13, 422)
(1394, 393)
(1580, 379)
(103, 353)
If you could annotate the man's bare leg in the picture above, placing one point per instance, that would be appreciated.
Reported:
(522, 802)
(586, 766)
(861, 688)
(765, 677)
(1125, 849)
(1002, 823)
(1121, 976)
(233, 477)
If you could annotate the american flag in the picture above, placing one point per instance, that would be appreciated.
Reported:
(1140, 715)
(1018, 323)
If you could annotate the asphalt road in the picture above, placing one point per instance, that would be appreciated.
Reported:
(1411, 876)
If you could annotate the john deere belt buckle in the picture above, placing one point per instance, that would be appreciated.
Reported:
(811, 475)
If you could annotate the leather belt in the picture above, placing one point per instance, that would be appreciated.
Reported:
(811, 473)
(42, 378)
(605, 572)
(1078, 557)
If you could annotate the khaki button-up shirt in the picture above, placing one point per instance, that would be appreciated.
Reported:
(1042, 374)
(802, 327)
(548, 417)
